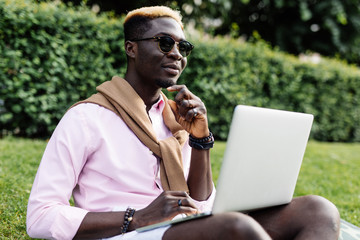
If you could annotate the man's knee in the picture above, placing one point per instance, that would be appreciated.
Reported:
(322, 211)
(240, 226)
(322, 206)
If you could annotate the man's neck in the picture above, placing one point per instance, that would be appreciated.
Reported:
(148, 94)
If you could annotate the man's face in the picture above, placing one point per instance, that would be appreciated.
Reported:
(154, 66)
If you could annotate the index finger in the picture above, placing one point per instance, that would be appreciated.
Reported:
(183, 92)
(184, 198)
(175, 88)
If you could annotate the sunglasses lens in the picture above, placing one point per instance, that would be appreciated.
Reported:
(166, 44)
(185, 48)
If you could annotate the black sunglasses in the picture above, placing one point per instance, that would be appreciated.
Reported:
(166, 44)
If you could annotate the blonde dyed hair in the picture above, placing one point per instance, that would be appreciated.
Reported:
(155, 12)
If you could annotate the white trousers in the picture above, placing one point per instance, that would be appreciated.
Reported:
(155, 234)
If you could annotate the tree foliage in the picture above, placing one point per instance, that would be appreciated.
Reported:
(330, 27)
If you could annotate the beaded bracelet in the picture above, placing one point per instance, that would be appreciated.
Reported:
(128, 217)
(202, 143)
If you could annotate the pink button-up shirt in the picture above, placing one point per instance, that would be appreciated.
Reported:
(95, 157)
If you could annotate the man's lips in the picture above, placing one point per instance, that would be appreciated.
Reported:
(172, 69)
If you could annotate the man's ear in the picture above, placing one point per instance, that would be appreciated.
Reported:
(130, 48)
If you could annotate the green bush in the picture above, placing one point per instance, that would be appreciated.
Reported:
(229, 72)
(52, 56)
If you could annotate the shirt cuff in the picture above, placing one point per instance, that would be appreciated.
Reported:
(59, 222)
(67, 222)
(206, 206)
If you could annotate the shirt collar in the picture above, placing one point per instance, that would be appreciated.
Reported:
(159, 105)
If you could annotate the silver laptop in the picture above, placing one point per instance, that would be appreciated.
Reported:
(262, 161)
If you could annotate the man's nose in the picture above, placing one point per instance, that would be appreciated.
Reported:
(175, 53)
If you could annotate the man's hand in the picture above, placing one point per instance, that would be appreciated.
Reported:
(164, 207)
(189, 111)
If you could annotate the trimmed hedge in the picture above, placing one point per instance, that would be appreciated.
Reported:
(228, 72)
(52, 56)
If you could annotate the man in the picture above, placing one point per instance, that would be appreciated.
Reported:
(131, 158)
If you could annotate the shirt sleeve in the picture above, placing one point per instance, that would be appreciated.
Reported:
(49, 214)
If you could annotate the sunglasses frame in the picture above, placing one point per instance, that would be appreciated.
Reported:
(158, 39)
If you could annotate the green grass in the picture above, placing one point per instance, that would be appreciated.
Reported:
(19, 160)
(332, 170)
(329, 169)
